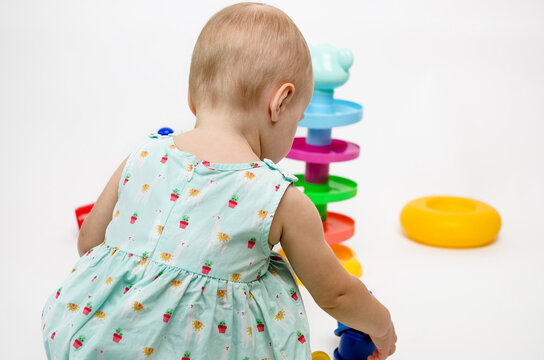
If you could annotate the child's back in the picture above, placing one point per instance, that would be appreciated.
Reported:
(185, 267)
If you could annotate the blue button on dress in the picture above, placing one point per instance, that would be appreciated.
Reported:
(185, 271)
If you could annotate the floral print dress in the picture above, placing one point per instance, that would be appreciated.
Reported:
(185, 270)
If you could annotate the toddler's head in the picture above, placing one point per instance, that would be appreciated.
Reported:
(251, 58)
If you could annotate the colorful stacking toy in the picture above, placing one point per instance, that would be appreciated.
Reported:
(319, 149)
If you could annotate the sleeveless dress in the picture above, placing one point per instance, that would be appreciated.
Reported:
(185, 271)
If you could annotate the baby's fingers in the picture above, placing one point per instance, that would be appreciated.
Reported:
(393, 350)
(377, 355)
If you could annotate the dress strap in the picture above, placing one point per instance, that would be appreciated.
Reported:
(288, 176)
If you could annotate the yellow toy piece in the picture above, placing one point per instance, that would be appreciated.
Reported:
(320, 355)
(450, 222)
(345, 255)
(347, 259)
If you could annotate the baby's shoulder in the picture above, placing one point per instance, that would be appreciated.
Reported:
(295, 209)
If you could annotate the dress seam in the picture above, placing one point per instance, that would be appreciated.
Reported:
(186, 270)
(167, 216)
(268, 223)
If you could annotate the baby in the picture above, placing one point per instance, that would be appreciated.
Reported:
(176, 255)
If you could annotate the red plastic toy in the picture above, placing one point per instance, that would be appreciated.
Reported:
(82, 212)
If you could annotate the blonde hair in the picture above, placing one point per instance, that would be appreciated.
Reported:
(242, 50)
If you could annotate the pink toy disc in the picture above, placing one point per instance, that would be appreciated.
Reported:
(338, 150)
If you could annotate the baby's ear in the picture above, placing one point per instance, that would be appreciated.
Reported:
(287, 94)
(279, 99)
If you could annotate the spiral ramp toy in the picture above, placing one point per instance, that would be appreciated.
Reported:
(318, 149)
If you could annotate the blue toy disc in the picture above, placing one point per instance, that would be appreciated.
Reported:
(345, 113)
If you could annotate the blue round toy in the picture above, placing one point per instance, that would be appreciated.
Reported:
(354, 344)
(165, 131)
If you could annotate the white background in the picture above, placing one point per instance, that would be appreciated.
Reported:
(453, 94)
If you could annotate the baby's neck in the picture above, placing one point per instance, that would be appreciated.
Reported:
(228, 118)
(222, 139)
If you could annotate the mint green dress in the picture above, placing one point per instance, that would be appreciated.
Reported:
(185, 271)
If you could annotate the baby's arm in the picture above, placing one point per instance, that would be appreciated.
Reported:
(340, 294)
(93, 228)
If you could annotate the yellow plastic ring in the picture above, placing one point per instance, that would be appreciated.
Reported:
(451, 222)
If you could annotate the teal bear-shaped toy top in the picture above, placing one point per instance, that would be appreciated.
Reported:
(330, 66)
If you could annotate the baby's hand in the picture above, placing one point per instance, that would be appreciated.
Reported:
(385, 344)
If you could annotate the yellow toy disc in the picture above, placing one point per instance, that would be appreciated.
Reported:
(451, 222)
(347, 259)
(320, 355)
